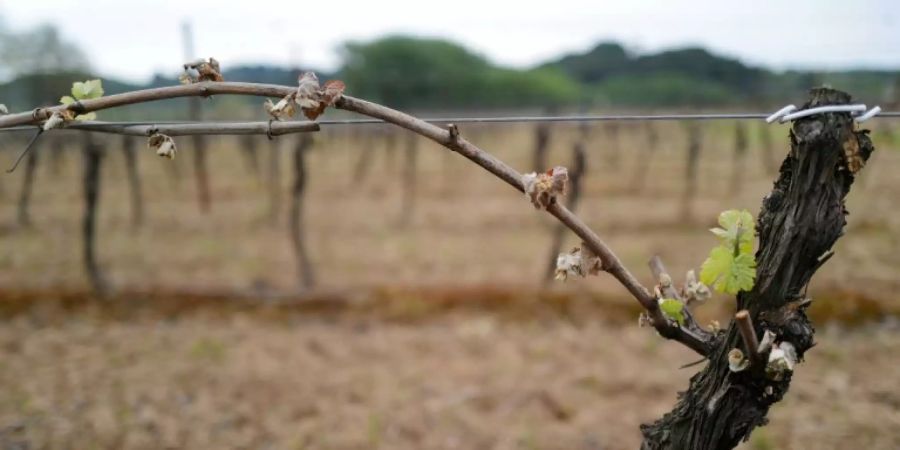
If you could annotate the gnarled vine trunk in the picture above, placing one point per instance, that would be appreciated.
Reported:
(800, 220)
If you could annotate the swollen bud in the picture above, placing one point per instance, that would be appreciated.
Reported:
(55, 120)
(736, 360)
(164, 145)
(543, 188)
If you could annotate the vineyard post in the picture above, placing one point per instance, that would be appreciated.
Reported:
(92, 151)
(173, 172)
(408, 199)
(613, 143)
(247, 143)
(767, 151)
(644, 158)
(390, 150)
(576, 181)
(296, 228)
(694, 142)
(541, 147)
(740, 151)
(23, 217)
(273, 176)
(129, 150)
(195, 113)
(56, 147)
(204, 197)
(366, 153)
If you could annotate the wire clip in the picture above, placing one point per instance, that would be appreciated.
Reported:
(790, 112)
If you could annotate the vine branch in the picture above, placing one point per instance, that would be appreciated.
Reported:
(610, 262)
(204, 89)
(447, 138)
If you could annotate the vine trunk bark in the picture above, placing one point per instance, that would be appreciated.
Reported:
(800, 220)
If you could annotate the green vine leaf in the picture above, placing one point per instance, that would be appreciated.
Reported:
(731, 266)
(88, 116)
(85, 90)
(673, 309)
(728, 273)
(736, 226)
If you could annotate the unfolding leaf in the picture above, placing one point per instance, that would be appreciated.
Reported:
(87, 90)
(88, 116)
(82, 90)
(736, 226)
(673, 309)
(728, 273)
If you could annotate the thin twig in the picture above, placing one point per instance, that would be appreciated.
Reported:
(25, 152)
(668, 290)
(748, 334)
(666, 286)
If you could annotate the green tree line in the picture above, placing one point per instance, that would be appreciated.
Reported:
(424, 73)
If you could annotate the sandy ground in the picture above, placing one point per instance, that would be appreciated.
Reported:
(455, 381)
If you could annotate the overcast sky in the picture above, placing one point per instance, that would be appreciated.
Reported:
(133, 39)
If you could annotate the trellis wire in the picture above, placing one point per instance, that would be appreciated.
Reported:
(485, 120)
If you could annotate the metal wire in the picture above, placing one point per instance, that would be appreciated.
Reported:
(511, 119)
(591, 118)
